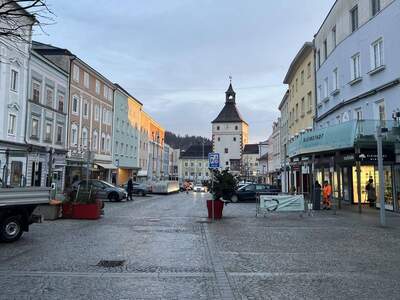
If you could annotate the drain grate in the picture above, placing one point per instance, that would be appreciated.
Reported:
(111, 263)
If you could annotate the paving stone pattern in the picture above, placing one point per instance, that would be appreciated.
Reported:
(171, 252)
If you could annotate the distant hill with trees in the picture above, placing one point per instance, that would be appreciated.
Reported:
(184, 142)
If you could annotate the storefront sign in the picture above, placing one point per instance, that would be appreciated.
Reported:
(340, 136)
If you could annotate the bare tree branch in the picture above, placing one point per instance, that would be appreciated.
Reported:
(19, 17)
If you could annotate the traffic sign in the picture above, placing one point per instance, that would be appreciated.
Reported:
(213, 160)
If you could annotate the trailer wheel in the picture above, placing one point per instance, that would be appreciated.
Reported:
(11, 229)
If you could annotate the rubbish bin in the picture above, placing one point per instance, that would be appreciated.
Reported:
(317, 199)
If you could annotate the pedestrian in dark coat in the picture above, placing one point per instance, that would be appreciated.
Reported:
(129, 189)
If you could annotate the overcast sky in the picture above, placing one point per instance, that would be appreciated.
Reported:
(176, 56)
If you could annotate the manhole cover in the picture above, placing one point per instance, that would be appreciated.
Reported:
(111, 263)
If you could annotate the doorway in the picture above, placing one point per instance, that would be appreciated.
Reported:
(36, 176)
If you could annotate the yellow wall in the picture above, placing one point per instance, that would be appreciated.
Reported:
(134, 112)
(299, 91)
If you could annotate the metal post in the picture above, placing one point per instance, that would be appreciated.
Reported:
(5, 179)
(358, 171)
(50, 166)
(213, 198)
(381, 177)
(87, 165)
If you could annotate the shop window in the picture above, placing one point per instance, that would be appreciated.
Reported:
(16, 173)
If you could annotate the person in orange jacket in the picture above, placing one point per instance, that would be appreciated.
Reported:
(327, 195)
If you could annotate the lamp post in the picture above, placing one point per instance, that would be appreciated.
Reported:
(379, 137)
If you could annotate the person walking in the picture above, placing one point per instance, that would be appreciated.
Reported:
(129, 189)
(371, 192)
(327, 195)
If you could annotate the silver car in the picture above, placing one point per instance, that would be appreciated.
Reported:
(104, 190)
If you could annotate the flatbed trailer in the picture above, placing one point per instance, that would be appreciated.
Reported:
(16, 210)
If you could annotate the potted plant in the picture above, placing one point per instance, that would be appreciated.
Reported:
(82, 204)
(222, 187)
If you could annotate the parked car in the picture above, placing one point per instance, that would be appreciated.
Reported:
(104, 190)
(140, 189)
(199, 188)
(249, 192)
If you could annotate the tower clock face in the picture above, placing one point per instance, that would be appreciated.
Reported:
(230, 97)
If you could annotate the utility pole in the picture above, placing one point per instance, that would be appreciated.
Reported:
(379, 136)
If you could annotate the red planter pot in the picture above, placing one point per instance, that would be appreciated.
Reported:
(82, 211)
(218, 208)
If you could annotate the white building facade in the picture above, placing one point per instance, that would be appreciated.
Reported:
(14, 61)
(46, 122)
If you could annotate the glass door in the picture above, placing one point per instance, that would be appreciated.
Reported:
(397, 186)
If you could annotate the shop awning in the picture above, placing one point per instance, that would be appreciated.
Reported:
(107, 166)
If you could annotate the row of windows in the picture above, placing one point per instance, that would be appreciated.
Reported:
(107, 92)
(376, 63)
(125, 127)
(227, 126)
(305, 108)
(192, 164)
(48, 133)
(105, 141)
(295, 84)
(106, 114)
(192, 174)
(375, 7)
(234, 139)
(123, 149)
(49, 96)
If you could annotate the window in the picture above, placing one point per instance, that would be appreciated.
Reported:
(375, 7)
(59, 134)
(104, 116)
(226, 150)
(96, 112)
(335, 80)
(302, 108)
(359, 114)
(297, 84)
(227, 163)
(110, 94)
(381, 110)
(86, 109)
(105, 91)
(74, 134)
(219, 139)
(35, 128)
(61, 99)
(355, 67)
(236, 127)
(75, 73)
(97, 87)
(95, 140)
(319, 58)
(47, 136)
(75, 105)
(14, 80)
(309, 70)
(377, 54)
(334, 37)
(103, 142)
(85, 137)
(108, 144)
(12, 119)
(302, 77)
(325, 88)
(186, 164)
(49, 97)
(354, 18)
(126, 149)
(86, 79)
(325, 49)
(338, 119)
(234, 139)
(217, 127)
(309, 101)
(297, 111)
(36, 87)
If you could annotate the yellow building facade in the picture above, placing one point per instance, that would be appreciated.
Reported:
(301, 81)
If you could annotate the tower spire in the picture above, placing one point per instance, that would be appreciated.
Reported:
(230, 93)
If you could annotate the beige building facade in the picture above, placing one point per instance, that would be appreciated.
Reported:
(300, 79)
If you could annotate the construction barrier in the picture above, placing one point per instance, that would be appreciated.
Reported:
(279, 203)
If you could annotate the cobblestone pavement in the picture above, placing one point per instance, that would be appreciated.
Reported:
(171, 252)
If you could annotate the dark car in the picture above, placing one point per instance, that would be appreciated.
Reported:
(249, 192)
(104, 190)
(138, 188)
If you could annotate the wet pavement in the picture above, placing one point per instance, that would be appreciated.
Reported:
(169, 251)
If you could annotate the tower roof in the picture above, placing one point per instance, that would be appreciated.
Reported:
(230, 113)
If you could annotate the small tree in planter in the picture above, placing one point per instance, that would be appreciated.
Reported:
(82, 203)
(222, 187)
